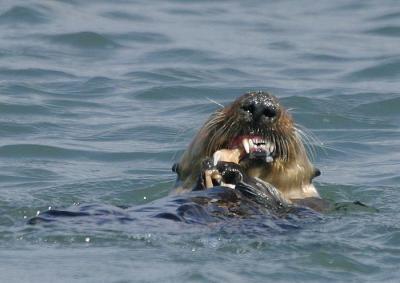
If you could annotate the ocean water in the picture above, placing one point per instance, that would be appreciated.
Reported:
(99, 98)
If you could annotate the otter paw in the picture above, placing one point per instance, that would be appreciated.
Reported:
(210, 175)
(230, 172)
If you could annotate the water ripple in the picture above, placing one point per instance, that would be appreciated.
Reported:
(384, 107)
(386, 31)
(23, 15)
(39, 151)
(387, 16)
(141, 37)
(387, 70)
(183, 55)
(12, 74)
(24, 109)
(123, 15)
(83, 40)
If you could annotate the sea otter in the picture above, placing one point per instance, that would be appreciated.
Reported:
(256, 132)
(248, 160)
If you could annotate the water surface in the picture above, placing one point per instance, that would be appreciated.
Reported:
(98, 99)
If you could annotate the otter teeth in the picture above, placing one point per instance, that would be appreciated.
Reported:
(257, 145)
(251, 143)
(216, 157)
(246, 145)
(271, 147)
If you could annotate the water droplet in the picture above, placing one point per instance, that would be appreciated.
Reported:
(37, 213)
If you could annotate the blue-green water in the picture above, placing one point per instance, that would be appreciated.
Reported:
(99, 98)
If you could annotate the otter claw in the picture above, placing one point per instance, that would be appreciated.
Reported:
(208, 164)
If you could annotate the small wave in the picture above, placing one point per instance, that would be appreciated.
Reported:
(27, 128)
(308, 72)
(56, 152)
(121, 15)
(153, 76)
(8, 129)
(84, 40)
(23, 109)
(176, 55)
(23, 15)
(386, 31)
(233, 72)
(282, 45)
(138, 133)
(141, 37)
(206, 108)
(198, 11)
(325, 57)
(190, 76)
(95, 87)
(388, 70)
(74, 103)
(13, 88)
(36, 150)
(28, 174)
(388, 16)
(190, 93)
(334, 121)
(97, 81)
(339, 261)
(172, 74)
(387, 107)
(302, 102)
(171, 93)
(33, 73)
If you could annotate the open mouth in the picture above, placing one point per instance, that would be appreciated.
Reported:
(254, 147)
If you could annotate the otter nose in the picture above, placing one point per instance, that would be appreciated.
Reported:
(260, 110)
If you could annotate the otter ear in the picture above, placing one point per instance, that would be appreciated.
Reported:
(317, 173)
(175, 168)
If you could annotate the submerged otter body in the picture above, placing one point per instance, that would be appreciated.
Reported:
(262, 138)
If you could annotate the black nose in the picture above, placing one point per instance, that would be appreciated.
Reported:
(260, 109)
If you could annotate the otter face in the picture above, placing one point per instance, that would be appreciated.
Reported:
(259, 114)
(257, 124)
(263, 132)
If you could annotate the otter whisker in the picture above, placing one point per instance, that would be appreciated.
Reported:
(285, 146)
(277, 146)
(282, 147)
(308, 139)
(307, 134)
(215, 102)
(288, 145)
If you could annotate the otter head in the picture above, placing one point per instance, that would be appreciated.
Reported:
(269, 143)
